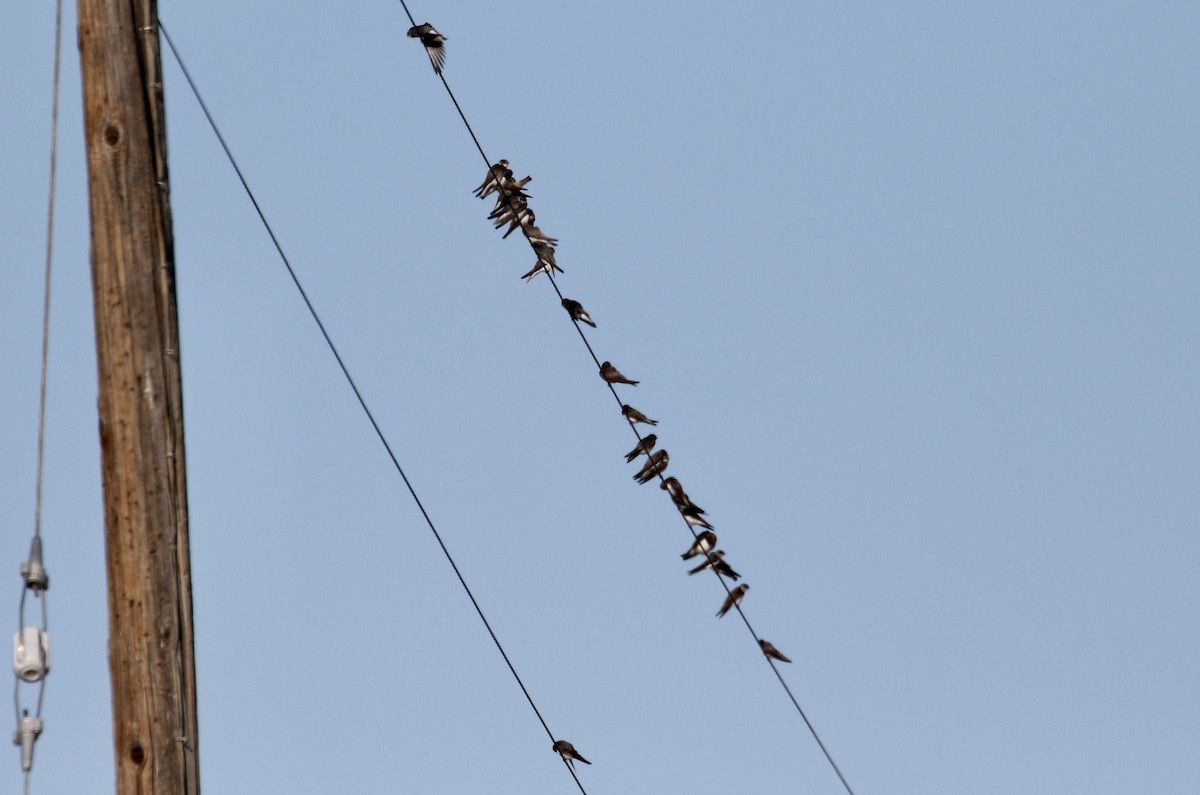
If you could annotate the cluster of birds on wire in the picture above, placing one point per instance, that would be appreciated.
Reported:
(512, 210)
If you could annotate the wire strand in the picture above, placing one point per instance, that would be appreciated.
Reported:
(41, 437)
(354, 386)
(591, 351)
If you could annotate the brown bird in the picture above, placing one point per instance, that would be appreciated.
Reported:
(496, 174)
(532, 233)
(568, 752)
(633, 415)
(704, 543)
(541, 266)
(613, 376)
(769, 650)
(434, 44)
(734, 599)
(574, 308)
(654, 465)
(716, 562)
(673, 487)
(694, 519)
(644, 446)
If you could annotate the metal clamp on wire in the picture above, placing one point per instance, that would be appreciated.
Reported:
(25, 737)
(32, 570)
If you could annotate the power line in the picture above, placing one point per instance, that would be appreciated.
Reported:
(31, 650)
(354, 387)
(591, 351)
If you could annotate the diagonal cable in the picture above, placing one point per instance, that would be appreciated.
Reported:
(550, 274)
(354, 387)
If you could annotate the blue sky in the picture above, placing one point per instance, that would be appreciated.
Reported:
(912, 290)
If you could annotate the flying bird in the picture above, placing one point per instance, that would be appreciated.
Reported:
(496, 174)
(613, 376)
(769, 649)
(716, 562)
(434, 44)
(633, 415)
(575, 309)
(568, 753)
(654, 465)
(644, 446)
(733, 600)
(704, 543)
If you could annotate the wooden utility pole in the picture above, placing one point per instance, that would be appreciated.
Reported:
(150, 647)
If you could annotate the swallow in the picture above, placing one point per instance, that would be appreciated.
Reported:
(684, 503)
(576, 310)
(704, 543)
(568, 753)
(513, 214)
(541, 266)
(770, 650)
(514, 187)
(496, 174)
(434, 44)
(613, 376)
(695, 520)
(533, 234)
(716, 562)
(545, 252)
(633, 415)
(507, 206)
(733, 600)
(644, 446)
(655, 464)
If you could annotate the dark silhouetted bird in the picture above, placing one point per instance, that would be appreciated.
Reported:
(535, 235)
(654, 465)
(673, 487)
(542, 266)
(575, 309)
(568, 752)
(704, 543)
(613, 376)
(716, 562)
(434, 44)
(633, 415)
(644, 446)
(769, 650)
(496, 174)
(694, 519)
(734, 599)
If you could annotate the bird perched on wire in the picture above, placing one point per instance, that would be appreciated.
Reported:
(694, 519)
(613, 376)
(574, 308)
(568, 753)
(512, 211)
(434, 44)
(655, 464)
(542, 266)
(633, 415)
(770, 650)
(535, 235)
(644, 446)
(716, 562)
(734, 599)
(673, 487)
(704, 543)
(497, 174)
